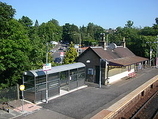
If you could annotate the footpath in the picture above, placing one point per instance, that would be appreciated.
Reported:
(17, 108)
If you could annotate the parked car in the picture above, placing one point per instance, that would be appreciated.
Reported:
(57, 60)
(60, 48)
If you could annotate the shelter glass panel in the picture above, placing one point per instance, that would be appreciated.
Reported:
(40, 87)
(81, 69)
(73, 75)
(53, 76)
(81, 76)
(53, 84)
(64, 75)
(73, 71)
(40, 79)
(28, 82)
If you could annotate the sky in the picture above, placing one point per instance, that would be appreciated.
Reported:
(105, 13)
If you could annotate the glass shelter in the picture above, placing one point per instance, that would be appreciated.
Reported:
(64, 77)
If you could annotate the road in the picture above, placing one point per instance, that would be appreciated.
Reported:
(85, 103)
(57, 51)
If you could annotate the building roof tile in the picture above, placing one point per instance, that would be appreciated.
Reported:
(119, 56)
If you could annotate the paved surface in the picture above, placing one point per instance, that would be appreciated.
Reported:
(16, 109)
(86, 102)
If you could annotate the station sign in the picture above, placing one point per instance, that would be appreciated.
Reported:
(22, 87)
(47, 67)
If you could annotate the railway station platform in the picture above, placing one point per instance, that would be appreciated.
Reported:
(86, 102)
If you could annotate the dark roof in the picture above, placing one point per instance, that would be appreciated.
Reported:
(119, 56)
(110, 54)
(126, 61)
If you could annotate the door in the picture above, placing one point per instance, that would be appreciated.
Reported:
(97, 74)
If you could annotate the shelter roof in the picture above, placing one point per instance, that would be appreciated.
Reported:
(40, 72)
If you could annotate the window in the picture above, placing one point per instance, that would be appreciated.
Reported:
(90, 71)
(129, 68)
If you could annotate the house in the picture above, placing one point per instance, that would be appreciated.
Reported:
(107, 64)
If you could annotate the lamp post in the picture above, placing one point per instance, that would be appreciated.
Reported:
(157, 53)
(46, 73)
(22, 88)
(47, 67)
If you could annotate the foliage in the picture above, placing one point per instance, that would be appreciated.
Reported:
(15, 51)
(70, 55)
(49, 32)
(129, 24)
(70, 32)
(136, 38)
(6, 13)
(23, 46)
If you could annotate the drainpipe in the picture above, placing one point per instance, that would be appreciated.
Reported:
(100, 75)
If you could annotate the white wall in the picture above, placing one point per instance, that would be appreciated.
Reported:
(117, 77)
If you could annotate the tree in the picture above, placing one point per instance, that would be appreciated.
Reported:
(129, 24)
(55, 22)
(26, 21)
(70, 32)
(49, 32)
(6, 14)
(14, 54)
(156, 20)
(70, 55)
(36, 23)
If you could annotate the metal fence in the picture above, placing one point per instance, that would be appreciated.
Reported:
(10, 93)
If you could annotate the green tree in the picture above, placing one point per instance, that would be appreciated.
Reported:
(70, 55)
(6, 14)
(14, 54)
(129, 24)
(26, 21)
(156, 20)
(70, 32)
(50, 32)
(36, 23)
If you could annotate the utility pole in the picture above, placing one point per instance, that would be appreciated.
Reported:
(157, 53)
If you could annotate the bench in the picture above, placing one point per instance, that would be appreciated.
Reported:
(131, 75)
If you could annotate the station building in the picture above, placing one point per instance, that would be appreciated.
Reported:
(110, 63)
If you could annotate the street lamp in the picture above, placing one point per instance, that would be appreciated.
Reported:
(46, 73)
(156, 52)
(47, 67)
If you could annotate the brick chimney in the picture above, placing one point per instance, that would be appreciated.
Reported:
(102, 42)
(124, 42)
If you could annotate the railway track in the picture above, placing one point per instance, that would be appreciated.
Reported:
(149, 109)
